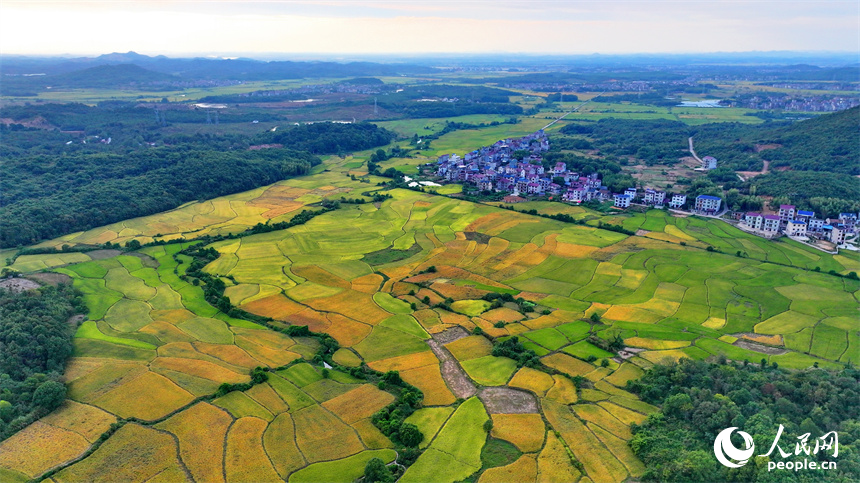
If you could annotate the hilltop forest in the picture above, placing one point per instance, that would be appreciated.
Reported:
(52, 183)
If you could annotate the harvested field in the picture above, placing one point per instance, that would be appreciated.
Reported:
(532, 380)
(148, 396)
(321, 436)
(279, 443)
(429, 380)
(470, 347)
(359, 403)
(452, 373)
(201, 430)
(40, 447)
(525, 431)
(133, 453)
(244, 456)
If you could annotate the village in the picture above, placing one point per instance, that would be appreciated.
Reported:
(515, 166)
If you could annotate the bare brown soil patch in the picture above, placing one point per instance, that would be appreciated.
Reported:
(506, 400)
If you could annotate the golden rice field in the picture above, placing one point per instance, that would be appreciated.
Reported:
(153, 345)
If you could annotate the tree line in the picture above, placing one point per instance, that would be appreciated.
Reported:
(35, 341)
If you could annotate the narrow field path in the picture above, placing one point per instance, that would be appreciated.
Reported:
(497, 399)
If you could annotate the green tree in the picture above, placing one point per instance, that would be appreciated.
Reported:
(410, 435)
(376, 472)
(49, 395)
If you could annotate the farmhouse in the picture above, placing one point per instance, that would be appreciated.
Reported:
(709, 162)
(654, 197)
(754, 220)
(622, 201)
(771, 223)
(708, 204)
(786, 213)
(795, 228)
(678, 201)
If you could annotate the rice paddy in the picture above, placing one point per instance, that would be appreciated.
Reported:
(152, 343)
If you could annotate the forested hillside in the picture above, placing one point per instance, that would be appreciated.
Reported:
(700, 399)
(35, 341)
(86, 166)
(45, 197)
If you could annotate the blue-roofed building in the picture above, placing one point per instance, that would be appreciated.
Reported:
(622, 201)
(804, 215)
(708, 204)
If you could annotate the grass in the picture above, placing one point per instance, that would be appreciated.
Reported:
(583, 349)
(346, 469)
(456, 451)
(89, 330)
(550, 338)
(497, 452)
(429, 421)
(240, 405)
(384, 343)
(490, 370)
(391, 304)
(472, 308)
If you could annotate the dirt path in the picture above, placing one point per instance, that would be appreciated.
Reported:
(452, 373)
(497, 399)
(693, 151)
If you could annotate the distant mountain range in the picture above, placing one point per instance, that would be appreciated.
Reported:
(131, 68)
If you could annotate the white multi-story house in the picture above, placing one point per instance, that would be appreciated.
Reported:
(678, 200)
(770, 223)
(786, 213)
(709, 162)
(708, 204)
(654, 197)
(622, 201)
(753, 220)
(815, 224)
(795, 228)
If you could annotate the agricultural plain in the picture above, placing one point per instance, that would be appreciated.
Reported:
(153, 351)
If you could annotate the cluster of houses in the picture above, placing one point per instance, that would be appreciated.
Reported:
(494, 168)
(801, 223)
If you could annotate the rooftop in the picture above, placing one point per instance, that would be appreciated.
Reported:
(707, 197)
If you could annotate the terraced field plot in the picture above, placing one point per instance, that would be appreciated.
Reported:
(153, 344)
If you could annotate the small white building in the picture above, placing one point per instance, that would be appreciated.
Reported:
(815, 224)
(795, 228)
(709, 162)
(622, 201)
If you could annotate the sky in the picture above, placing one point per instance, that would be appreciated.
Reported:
(413, 27)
